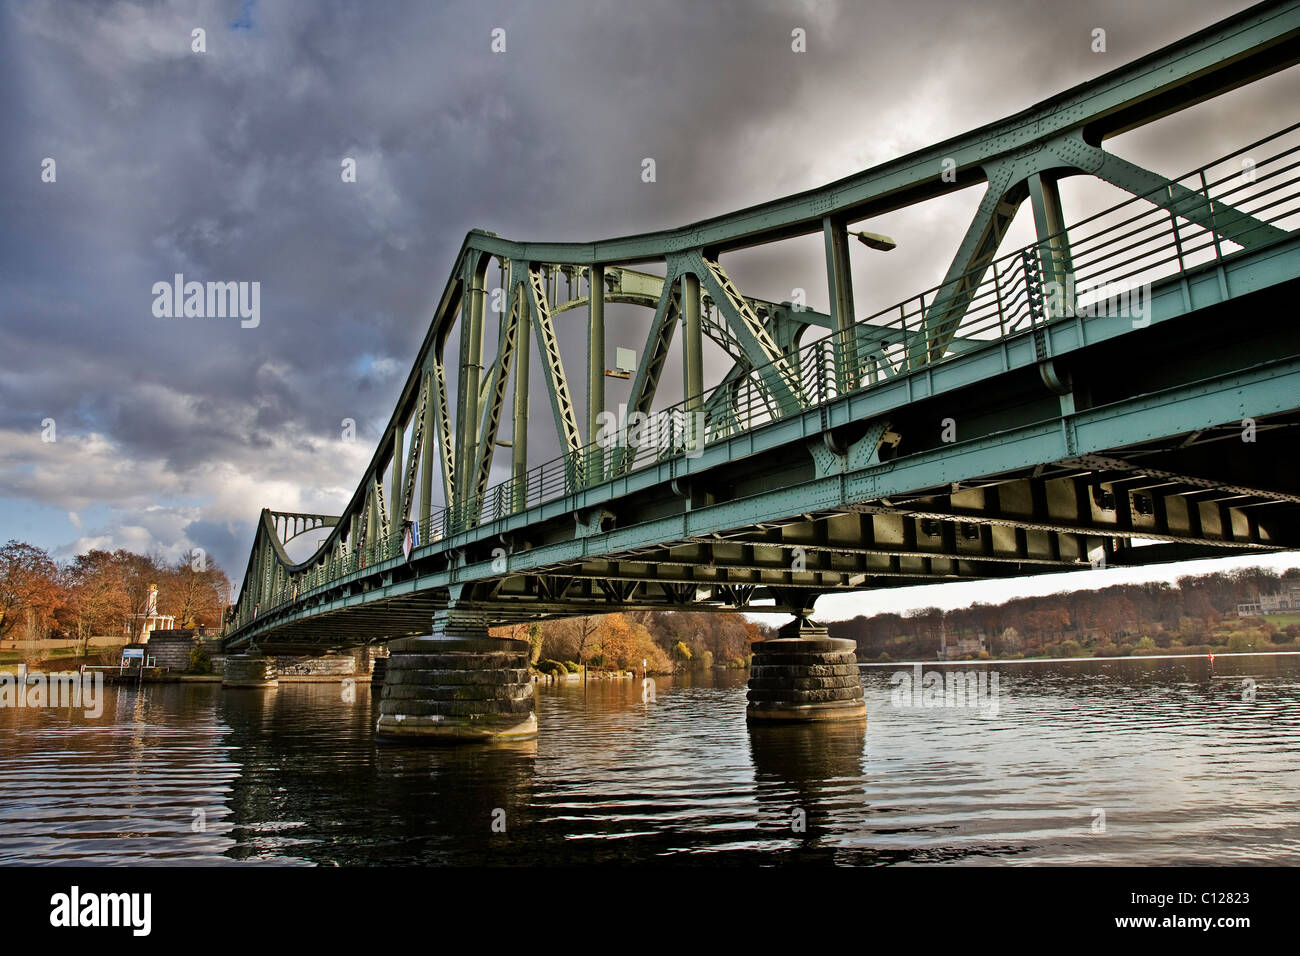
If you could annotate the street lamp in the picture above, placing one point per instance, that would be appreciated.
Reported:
(874, 240)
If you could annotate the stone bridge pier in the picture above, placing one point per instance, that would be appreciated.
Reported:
(457, 684)
(804, 675)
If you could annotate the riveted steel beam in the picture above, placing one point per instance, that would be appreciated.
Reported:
(428, 445)
(764, 355)
(1239, 50)
(396, 463)
(446, 437)
(595, 364)
(1002, 198)
(839, 275)
(658, 339)
(1219, 217)
(566, 420)
(471, 369)
(519, 426)
(498, 377)
(692, 358)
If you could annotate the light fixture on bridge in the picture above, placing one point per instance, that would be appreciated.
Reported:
(624, 364)
(874, 240)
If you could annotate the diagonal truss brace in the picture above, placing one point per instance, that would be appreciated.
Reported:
(496, 396)
(1229, 222)
(413, 456)
(382, 528)
(446, 441)
(364, 529)
(566, 421)
(1008, 187)
(654, 356)
(781, 380)
(977, 250)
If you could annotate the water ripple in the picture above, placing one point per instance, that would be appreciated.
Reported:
(1117, 762)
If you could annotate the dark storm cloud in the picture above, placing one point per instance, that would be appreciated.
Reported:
(225, 165)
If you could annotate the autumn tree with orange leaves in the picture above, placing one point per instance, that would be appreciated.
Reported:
(30, 594)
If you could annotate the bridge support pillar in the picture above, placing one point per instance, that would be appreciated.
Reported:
(251, 669)
(804, 675)
(457, 685)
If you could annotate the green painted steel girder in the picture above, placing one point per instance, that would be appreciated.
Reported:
(1018, 157)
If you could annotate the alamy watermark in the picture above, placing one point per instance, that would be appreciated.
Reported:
(976, 688)
(670, 431)
(75, 909)
(66, 690)
(1125, 299)
(212, 300)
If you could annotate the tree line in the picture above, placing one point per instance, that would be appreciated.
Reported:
(663, 642)
(106, 592)
(1198, 613)
(102, 592)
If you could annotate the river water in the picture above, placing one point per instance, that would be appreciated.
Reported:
(1119, 762)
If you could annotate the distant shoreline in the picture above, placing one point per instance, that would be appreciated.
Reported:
(1051, 660)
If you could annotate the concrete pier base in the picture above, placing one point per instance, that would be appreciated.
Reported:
(804, 675)
(248, 670)
(457, 688)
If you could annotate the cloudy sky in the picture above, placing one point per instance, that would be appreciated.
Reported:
(172, 433)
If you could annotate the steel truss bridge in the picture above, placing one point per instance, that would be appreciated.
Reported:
(1124, 390)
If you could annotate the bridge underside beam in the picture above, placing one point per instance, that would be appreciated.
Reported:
(1073, 515)
(1179, 497)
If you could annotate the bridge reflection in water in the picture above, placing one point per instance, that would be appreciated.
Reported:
(803, 770)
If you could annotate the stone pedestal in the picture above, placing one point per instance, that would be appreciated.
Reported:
(804, 675)
(248, 670)
(379, 673)
(172, 649)
(461, 688)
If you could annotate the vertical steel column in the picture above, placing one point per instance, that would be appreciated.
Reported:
(1053, 246)
(471, 370)
(595, 368)
(258, 560)
(692, 359)
(1057, 276)
(839, 276)
(519, 438)
(427, 462)
(399, 468)
(372, 521)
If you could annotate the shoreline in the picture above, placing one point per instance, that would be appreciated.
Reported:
(112, 677)
(1050, 660)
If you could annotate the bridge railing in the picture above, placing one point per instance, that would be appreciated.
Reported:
(1246, 198)
(1104, 263)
